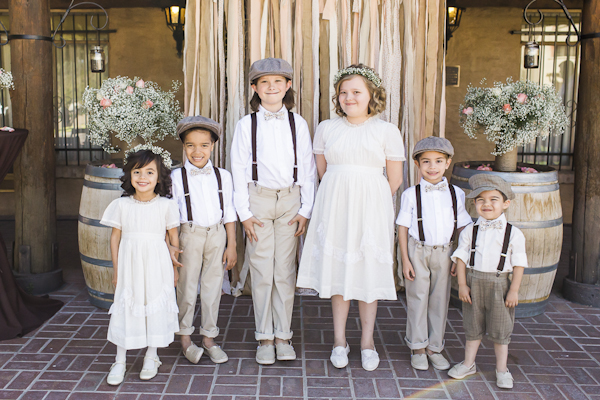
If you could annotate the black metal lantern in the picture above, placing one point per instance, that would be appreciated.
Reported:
(97, 61)
(532, 55)
(175, 16)
(453, 16)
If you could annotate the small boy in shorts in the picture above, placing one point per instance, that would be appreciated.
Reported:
(487, 253)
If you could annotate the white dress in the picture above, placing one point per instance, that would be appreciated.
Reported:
(145, 310)
(348, 248)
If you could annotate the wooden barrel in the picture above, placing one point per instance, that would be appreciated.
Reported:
(537, 211)
(100, 187)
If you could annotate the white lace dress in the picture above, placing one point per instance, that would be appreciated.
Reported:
(348, 248)
(145, 310)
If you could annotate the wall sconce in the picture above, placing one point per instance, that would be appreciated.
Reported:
(175, 16)
(453, 16)
(97, 61)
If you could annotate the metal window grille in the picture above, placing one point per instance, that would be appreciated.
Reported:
(558, 66)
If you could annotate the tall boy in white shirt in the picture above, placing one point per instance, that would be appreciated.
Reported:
(487, 253)
(273, 174)
(205, 198)
(431, 216)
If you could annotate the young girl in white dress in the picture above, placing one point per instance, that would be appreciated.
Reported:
(144, 312)
(348, 250)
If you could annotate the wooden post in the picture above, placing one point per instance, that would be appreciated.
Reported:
(35, 189)
(584, 277)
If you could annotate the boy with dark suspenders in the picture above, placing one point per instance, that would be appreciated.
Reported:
(204, 194)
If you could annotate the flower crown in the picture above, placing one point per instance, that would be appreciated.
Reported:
(364, 71)
(166, 156)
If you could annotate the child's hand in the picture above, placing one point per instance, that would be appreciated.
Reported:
(301, 224)
(249, 228)
(408, 271)
(512, 299)
(453, 269)
(176, 274)
(114, 279)
(464, 294)
(174, 252)
(230, 257)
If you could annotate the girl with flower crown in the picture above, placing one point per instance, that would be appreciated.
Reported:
(144, 312)
(348, 250)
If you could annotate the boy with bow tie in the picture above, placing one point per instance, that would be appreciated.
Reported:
(432, 214)
(489, 250)
(205, 197)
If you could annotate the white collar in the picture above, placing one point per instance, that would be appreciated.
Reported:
(189, 166)
(502, 218)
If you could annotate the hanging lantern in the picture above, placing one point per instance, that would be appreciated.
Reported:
(175, 16)
(532, 55)
(97, 62)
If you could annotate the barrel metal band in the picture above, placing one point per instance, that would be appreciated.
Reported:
(101, 172)
(96, 261)
(30, 37)
(91, 221)
(102, 295)
(102, 185)
(541, 270)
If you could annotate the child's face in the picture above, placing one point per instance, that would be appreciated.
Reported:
(432, 165)
(144, 179)
(272, 89)
(354, 97)
(490, 204)
(198, 146)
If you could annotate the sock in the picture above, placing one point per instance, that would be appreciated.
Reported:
(151, 354)
(118, 369)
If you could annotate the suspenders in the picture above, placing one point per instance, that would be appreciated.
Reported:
(186, 192)
(503, 254)
(420, 213)
(254, 163)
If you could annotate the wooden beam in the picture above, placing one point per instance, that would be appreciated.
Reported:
(577, 4)
(63, 4)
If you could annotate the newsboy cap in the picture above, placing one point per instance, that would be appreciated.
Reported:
(484, 182)
(199, 122)
(270, 66)
(433, 143)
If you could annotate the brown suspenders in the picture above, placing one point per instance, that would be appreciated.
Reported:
(186, 193)
(254, 129)
(503, 254)
(420, 213)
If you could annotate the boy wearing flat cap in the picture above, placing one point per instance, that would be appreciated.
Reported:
(273, 174)
(204, 194)
(432, 214)
(487, 253)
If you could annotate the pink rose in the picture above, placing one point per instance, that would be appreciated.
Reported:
(521, 98)
(507, 108)
(484, 167)
(140, 83)
(147, 104)
(105, 102)
(468, 111)
(129, 90)
(529, 170)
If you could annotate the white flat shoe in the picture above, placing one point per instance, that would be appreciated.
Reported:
(369, 359)
(339, 356)
(147, 374)
(193, 353)
(115, 379)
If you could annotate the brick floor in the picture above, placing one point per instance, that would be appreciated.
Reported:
(552, 356)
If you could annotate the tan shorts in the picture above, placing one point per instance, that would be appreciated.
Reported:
(488, 314)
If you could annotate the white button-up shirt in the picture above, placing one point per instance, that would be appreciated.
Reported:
(204, 195)
(489, 247)
(275, 159)
(438, 215)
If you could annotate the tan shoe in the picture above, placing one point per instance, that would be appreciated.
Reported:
(504, 380)
(419, 361)
(438, 361)
(265, 354)
(193, 353)
(285, 351)
(147, 374)
(460, 370)
(216, 354)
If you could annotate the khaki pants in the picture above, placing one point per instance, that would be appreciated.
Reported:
(427, 296)
(202, 258)
(272, 260)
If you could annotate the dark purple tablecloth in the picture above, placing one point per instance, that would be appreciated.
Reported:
(20, 312)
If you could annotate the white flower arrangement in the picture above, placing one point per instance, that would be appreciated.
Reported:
(365, 71)
(6, 79)
(129, 109)
(166, 156)
(512, 114)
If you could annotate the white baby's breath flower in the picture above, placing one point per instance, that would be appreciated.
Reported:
(6, 79)
(496, 91)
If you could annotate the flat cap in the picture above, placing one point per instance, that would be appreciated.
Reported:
(199, 122)
(484, 182)
(433, 143)
(270, 66)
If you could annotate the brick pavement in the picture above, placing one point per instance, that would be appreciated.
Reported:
(553, 356)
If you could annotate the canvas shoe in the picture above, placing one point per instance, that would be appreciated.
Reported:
(504, 380)
(265, 354)
(339, 356)
(419, 361)
(285, 351)
(216, 354)
(116, 374)
(460, 371)
(193, 353)
(147, 374)
(438, 361)
(369, 359)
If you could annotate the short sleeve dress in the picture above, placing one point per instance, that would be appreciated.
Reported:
(144, 312)
(348, 247)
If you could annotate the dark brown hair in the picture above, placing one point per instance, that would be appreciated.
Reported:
(288, 99)
(377, 94)
(140, 159)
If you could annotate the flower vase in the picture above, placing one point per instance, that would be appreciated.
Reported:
(507, 162)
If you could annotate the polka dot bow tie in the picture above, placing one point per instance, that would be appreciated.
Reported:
(441, 187)
(491, 225)
(270, 115)
(204, 171)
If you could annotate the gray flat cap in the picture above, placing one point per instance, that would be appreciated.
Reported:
(433, 143)
(270, 66)
(199, 122)
(483, 182)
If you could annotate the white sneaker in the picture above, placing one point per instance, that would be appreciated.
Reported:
(460, 371)
(438, 361)
(339, 356)
(370, 359)
(504, 380)
(419, 361)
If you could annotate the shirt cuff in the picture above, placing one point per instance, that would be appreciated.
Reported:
(305, 211)
(460, 254)
(318, 151)
(518, 260)
(245, 214)
(404, 219)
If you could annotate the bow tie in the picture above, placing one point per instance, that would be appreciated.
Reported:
(441, 187)
(204, 171)
(270, 115)
(485, 225)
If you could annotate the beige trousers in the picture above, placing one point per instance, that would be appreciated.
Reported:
(427, 296)
(202, 259)
(272, 260)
